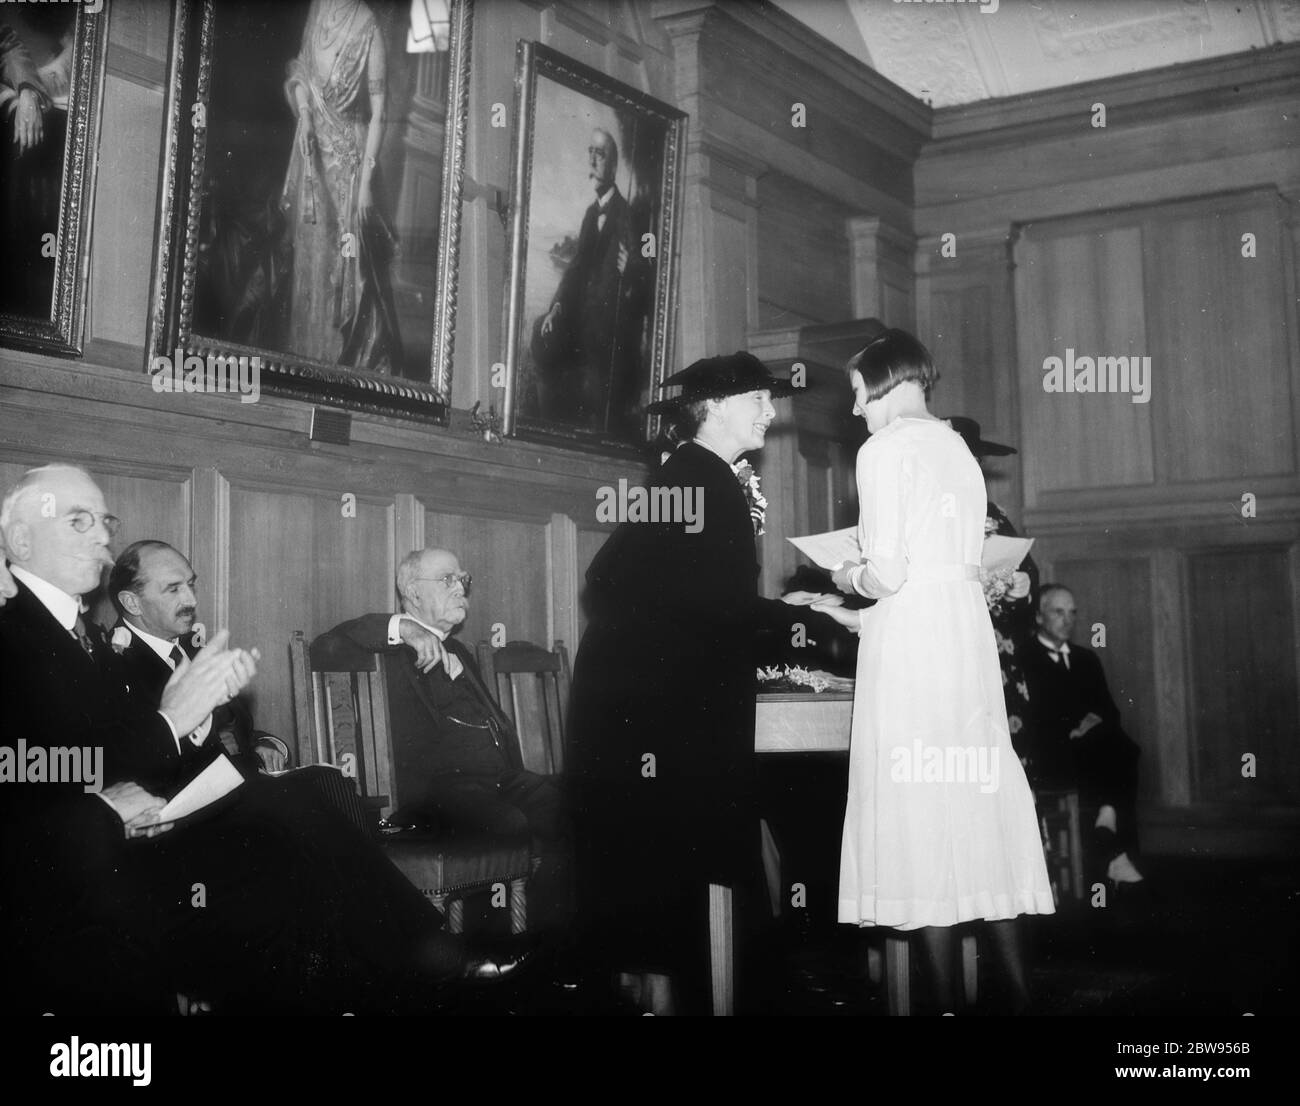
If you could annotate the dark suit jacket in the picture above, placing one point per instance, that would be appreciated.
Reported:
(146, 675)
(1060, 697)
(417, 724)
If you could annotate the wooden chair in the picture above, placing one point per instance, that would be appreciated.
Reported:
(1058, 820)
(531, 685)
(341, 714)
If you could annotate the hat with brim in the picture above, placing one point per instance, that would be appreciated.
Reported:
(717, 378)
(969, 429)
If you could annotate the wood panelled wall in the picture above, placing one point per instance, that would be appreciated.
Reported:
(1177, 521)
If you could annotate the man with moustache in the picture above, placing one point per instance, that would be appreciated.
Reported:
(231, 909)
(153, 588)
(587, 346)
(1077, 740)
(457, 765)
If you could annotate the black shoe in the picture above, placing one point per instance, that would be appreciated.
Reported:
(500, 965)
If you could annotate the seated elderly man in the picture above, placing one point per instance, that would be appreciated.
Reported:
(233, 907)
(456, 766)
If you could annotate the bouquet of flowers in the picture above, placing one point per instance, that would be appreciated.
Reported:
(996, 585)
(790, 678)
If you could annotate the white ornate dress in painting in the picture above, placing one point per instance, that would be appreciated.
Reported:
(940, 825)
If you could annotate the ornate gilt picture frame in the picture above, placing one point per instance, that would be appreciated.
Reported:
(309, 223)
(51, 93)
(592, 302)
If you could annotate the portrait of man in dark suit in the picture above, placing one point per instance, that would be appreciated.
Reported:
(587, 347)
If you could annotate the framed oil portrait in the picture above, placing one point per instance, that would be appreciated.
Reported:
(310, 203)
(51, 85)
(590, 316)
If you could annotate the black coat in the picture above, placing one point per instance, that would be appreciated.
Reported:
(662, 714)
(146, 675)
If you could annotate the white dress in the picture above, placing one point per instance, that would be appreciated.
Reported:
(940, 825)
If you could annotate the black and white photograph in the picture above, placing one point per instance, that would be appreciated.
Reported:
(647, 508)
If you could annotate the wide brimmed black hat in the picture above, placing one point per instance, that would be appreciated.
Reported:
(970, 430)
(718, 377)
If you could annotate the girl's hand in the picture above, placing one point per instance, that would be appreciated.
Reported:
(843, 577)
(365, 199)
(1019, 585)
(850, 620)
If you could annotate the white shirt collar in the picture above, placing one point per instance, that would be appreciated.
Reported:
(604, 201)
(59, 603)
(1064, 647)
(159, 645)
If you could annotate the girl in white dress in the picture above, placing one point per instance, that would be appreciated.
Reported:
(940, 825)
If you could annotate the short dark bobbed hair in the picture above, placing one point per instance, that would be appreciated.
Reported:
(890, 359)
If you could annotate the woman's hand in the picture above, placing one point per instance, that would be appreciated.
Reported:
(807, 598)
(1019, 585)
(306, 133)
(849, 619)
(843, 577)
(365, 199)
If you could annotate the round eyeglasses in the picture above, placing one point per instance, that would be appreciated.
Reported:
(83, 521)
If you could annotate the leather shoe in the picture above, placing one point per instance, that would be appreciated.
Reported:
(498, 967)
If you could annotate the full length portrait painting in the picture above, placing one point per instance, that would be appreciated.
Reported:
(590, 315)
(51, 78)
(311, 213)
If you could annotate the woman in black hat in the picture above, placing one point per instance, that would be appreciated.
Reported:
(662, 716)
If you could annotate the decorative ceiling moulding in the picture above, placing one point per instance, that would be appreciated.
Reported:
(1092, 29)
(927, 50)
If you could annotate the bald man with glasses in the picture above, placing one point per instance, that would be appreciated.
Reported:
(457, 766)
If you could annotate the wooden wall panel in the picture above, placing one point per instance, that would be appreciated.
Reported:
(1117, 594)
(1081, 290)
(960, 339)
(803, 256)
(1241, 634)
(297, 564)
(508, 562)
(1216, 320)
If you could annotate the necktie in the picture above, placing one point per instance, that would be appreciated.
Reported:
(454, 667)
(176, 656)
(1063, 655)
(79, 628)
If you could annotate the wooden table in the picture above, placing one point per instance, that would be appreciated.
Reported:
(785, 722)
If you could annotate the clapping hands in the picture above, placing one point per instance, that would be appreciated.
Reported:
(198, 687)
